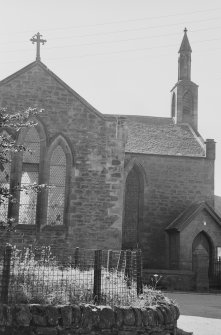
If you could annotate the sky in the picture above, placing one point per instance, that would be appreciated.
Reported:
(121, 55)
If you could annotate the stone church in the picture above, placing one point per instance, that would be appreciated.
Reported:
(118, 181)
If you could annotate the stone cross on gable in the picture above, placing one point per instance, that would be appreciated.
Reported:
(38, 40)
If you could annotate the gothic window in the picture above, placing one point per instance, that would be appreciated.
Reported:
(187, 106)
(218, 253)
(173, 105)
(132, 209)
(57, 181)
(5, 168)
(30, 175)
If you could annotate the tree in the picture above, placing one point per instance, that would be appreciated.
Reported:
(10, 124)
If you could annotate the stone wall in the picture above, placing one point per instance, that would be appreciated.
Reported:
(87, 319)
(171, 184)
(93, 210)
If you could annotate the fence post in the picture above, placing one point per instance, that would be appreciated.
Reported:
(110, 260)
(128, 272)
(139, 272)
(97, 276)
(6, 274)
(120, 261)
(76, 257)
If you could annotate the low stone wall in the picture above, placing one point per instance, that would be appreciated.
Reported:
(87, 319)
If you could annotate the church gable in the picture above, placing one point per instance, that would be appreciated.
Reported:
(64, 111)
(81, 154)
(192, 213)
(37, 86)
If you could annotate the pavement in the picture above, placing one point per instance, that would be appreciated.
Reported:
(200, 313)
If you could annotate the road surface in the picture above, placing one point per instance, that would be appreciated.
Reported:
(200, 313)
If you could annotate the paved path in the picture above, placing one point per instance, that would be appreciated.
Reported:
(199, 325)
(200, 313)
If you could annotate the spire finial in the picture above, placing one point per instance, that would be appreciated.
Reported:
(185, 30)
(38, 40)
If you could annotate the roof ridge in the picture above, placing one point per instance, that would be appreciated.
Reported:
(15, 74)
(140, 116)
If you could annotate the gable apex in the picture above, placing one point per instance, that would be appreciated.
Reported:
(38, 63)
(183, 219)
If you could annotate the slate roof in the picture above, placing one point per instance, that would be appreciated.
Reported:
(159, 135)
(146, 135)
(188, 215)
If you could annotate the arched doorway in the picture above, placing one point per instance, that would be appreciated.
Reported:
(133, 208)
(203, 240)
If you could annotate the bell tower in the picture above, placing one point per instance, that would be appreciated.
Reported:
(184, 100)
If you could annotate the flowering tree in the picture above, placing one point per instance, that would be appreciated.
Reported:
(10, 124)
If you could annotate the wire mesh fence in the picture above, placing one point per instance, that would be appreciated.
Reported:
(54, 276)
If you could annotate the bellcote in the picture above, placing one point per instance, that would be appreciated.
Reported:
(184, 103)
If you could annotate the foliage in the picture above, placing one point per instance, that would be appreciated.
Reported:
(151, 297)
(11, 124)
(40, 277)
(155, 279)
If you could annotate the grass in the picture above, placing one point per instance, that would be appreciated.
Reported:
(43, 279)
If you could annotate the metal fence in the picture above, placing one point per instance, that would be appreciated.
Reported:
(215, 274)
(55, 276)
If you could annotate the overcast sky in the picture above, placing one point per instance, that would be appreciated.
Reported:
(121, 55)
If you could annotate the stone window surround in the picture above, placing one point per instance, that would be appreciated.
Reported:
(7, 172)
(46, 150)
(134, 164)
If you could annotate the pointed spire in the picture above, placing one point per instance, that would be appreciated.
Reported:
(184, 69)
(185, 45)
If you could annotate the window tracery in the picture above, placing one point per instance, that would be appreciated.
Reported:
(56, 193)
(30, 176)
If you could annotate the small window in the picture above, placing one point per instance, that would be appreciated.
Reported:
(173, 105)
(218, 253)
(187, 103)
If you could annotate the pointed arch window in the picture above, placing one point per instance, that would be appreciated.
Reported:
(5, 168)
(133, 208)
(173, 105)
(57, 182)
(187, 103)
(30, 176)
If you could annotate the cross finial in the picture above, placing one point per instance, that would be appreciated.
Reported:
(185, 30)
(38, 40)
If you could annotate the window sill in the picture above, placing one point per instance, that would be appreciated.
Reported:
(25, 227)
(53, 228)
